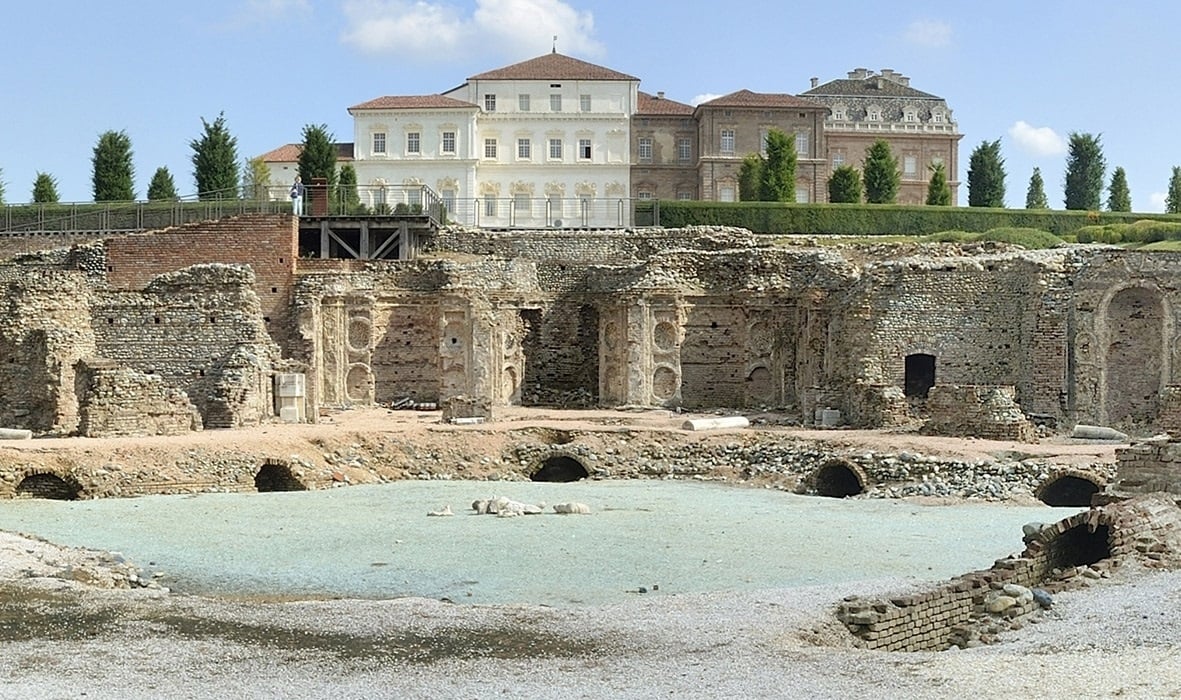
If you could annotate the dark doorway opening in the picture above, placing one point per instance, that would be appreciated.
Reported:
(1069, 491)
(48, 486)
(837, 481)
(1078, 546)
(920, 375)
(277, 477)
(561, 469)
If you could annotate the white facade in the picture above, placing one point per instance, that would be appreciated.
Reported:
(540, 143)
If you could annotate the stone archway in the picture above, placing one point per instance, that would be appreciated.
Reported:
(560, 468)
(838, 479)
(1068, 490)
(277, 476)
(1134, 360)
(51, 486)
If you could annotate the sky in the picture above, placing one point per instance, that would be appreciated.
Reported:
(1027, 73)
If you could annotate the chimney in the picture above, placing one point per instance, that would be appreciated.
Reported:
(660, 94)
(858, 74)
(815, 82)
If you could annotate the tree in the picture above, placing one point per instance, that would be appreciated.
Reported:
(777, 178)
(215, 161)
(317, 158)
(256, 179)
(880, 174)
(1, 186)
(1118, 196)
(938, 191)
(986, 176)
(162, 188)
(45, 189)
(844, 186)
(1173, 198)
(350, 199)
(748, 178)
(1035, 196)
(114, 174)
(1085, 167)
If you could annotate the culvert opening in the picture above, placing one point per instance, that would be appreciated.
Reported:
(560, 469)
(277, 477)
(1078, 546)
(837, 481)
(48, 486)
(1069, 491)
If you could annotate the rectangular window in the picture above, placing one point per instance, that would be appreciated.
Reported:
(644, 195)
(645, 151)
(763, 134)
(413, 142)
(802, 195)
(726, 194)
(524, 149)
(489, 206)
(521, 204)
(523, 102)
(555, 103)
(448, 197)
(684, 195)
(490, 102)
(555, 149)
(449, 142)
(802, 144)
(910, 165)
(554, 202)
(584, 149)
(584, 103)
(684, 150)
(490, 148)
(379, 142)
(727, 145)
(937, 117)
(838, 159)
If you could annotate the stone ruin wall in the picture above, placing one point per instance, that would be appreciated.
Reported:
(698, 317)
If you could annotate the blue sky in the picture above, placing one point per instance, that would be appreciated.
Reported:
(1028, 73)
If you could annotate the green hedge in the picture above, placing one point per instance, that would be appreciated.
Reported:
(885, 219)
(1142, 231)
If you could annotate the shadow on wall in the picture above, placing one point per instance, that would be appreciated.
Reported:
(49, 486)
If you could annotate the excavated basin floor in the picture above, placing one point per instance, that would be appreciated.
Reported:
(664, 537)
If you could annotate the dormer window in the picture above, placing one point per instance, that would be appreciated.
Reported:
(910, 115)
(839, 113)
(937, 117)
(873, 114)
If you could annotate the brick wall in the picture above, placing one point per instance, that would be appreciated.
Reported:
(265, 242)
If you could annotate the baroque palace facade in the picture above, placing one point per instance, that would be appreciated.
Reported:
(555, 141)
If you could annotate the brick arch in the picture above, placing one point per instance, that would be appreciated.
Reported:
(1136, 326)
(560, 466)
(45, 484)
(277, 475)
(837, 478)
(1069, 487)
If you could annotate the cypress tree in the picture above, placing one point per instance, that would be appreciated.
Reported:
(1085, 167)
(986, 176)
(162, 188)
(881, 174)
(844, 186)
(777, 178)
(113, 171)
(1173, 198)
(1118, 196)
(938, 191)
(215, 161)
(45, 189)
(1035, 196)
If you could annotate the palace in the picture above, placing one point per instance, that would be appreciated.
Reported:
(555, 142)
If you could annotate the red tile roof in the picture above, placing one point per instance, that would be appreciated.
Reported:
(553, 66)
(652, 105)
(766, 100)
(413, 102)
(289, 153)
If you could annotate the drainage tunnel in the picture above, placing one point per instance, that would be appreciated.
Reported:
(561, 469)
(48, 486)
(837, 480)
(1068, 491)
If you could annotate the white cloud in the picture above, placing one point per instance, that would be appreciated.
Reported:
(426, 31)
(1158, 201)
(254, 12)
(1037, 140)
(929, 33)
(705, 97)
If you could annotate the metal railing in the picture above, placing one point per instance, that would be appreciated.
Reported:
(518, 212)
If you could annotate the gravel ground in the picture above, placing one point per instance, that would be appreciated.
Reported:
(59, 639)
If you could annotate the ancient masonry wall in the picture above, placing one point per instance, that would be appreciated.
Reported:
(121, 401)
(268, 244)
(1149, 466)
(980, 604)
(988, 412)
